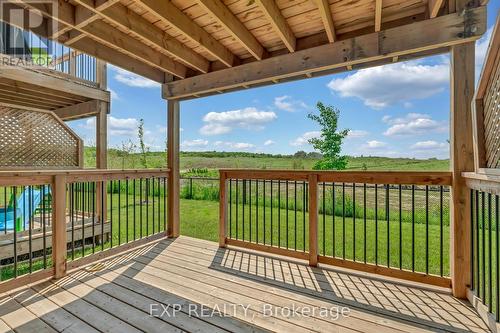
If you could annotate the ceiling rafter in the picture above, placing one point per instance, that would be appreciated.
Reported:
(166, 11)
(434, 6)
(327, 18)
(141, 28)
(378, 15)
(279, 23)
(233, 25)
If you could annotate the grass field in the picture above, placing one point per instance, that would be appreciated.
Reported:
(217, 160)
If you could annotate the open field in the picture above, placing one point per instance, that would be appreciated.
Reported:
(217, 160)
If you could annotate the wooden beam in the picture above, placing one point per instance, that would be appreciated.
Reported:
(43, 80)
(102, 135)
(423, 36)
(107, 35)
(279, 23)
(233, 25)
(378, 15)
(78, 111)
(434, 6)
(462, 160)
(119, 59)
(130, 21)
(326, 17)
(173, 130)
(168, 12)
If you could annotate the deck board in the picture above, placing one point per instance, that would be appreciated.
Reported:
(117, 296)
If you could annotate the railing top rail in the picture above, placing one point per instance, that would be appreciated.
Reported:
(369, 177)
(29, 177)
(485, 182)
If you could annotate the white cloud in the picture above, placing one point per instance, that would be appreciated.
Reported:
(427, 149)
(117, 126)
(286, 103)
(194, 143)
(374, 144)
(269, 143)
(114, 95)
(235, 145)
(413, 124)
(355, 134)
(304, 138)
(224, 122)
(133, 80)
(481, 48)
(425, 145)
(386, 85)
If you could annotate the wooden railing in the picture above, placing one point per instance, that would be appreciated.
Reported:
(55, 221)
(390, 223)
(484, 290)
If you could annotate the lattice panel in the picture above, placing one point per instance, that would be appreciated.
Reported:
(491, 104)
(36, 139)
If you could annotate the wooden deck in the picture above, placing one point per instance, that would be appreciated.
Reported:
(197, 277)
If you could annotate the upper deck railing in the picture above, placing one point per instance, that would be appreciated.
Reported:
(23, 48)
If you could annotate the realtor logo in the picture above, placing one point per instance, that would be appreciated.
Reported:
(16, 41)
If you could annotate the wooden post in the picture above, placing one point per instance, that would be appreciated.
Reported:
(222, 209)
(462, 159)
(59, 226)
(72, 62)
(313, 219)
(101, 74)
(173, 129)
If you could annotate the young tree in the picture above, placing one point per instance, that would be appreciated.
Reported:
(330, 141)
(127, 148)
(142, 145)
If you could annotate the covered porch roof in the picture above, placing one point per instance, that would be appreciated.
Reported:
(202, 47)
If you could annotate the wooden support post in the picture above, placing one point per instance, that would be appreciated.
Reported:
(222, 209)
(101, 74)
(101, 162)
(59, 226)
(72, 63)
(462, 159)
(313, 219)
(173, 129)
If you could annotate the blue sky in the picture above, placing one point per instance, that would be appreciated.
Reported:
(398, 110)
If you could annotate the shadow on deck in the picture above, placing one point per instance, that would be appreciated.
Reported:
(192, 285)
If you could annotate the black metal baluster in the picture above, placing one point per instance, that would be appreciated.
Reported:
(413, 228)
(295, 212)
(483, 241)
(286, 224)
(497, 275)
(490, 269)
(126, 210)
(237, 207)
(354, 221)
(103, 211)
(324, 219)
(343, 220)
(250, 209)
(264, 211)
(119, 212)
(257, 211)
(93, 216)
(133, 194)
(477, 245)
(279, 213)
(153, 205)
(472, 242)
(83, 219)
(400, 227)
(158, 212)
(44, 227)
(441, 230)
(30, 228)
(304, 204)
(388, 240)
(426, 229)
(147, 206)
(364, 223)
(272, 204)
(244, 197)
(14, 189)
(111, 195)
(376, 224)
(230, 208)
